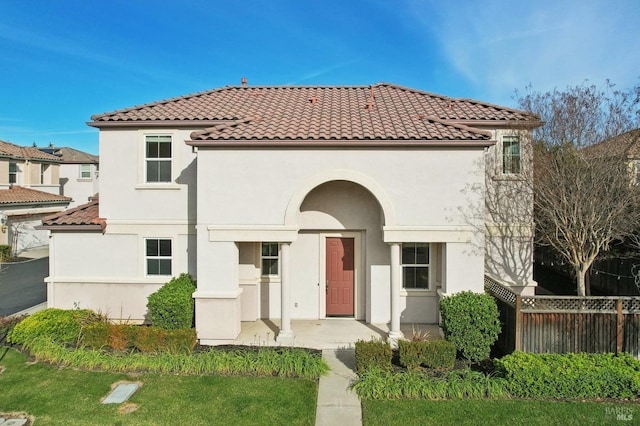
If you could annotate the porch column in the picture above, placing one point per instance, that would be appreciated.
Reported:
(396, 279)
(285, 335)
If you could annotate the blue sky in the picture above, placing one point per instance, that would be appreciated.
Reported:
(62, 61)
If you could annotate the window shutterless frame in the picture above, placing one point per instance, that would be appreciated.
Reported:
(13, 172)
(158, 158)
(511, 155)
(415, 259)
(158, 256)
(85, 171)
(269, 259)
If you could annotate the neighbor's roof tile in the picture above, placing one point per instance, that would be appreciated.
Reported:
(74, 156)
(381, 111)
(20, 195)
(8, 149)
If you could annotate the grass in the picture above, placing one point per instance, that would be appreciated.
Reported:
(70, 397)
(498, 412)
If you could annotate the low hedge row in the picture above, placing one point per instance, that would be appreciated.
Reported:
(412, 354)
(427, 353)
(121, 337)
(570, 375)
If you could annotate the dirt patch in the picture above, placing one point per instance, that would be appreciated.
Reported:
(127, 407)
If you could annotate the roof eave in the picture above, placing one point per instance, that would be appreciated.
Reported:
(509, 124)
(36, 203)
(77, 228)
(339, 143)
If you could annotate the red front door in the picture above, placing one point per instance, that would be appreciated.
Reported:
(339, 276)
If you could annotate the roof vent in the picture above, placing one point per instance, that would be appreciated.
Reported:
(371, 103)
(313, 100)
(243, 81)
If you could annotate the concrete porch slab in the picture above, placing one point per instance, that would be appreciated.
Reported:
(334, 333)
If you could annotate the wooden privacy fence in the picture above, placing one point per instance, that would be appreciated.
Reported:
(559, 324)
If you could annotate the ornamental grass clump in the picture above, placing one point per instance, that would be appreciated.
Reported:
(172, 306)
(472, 322)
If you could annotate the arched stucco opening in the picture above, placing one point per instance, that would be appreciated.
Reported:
(292, 214)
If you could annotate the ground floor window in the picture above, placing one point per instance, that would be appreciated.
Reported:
(158, 255)
(269, 258)
(415, 266)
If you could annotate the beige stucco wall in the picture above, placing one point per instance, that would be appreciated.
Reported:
(74, 186)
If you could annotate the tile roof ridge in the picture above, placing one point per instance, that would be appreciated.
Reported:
(459, 126)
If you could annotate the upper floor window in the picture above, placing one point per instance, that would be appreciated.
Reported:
(13, 173)
(158, 158)
(85, 171)
(158, 256)
(511, 151)
(269, 259)
(415, 265)
(43, 173)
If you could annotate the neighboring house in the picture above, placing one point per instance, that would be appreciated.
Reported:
(78, 174)
(288, 202)
(29, 189)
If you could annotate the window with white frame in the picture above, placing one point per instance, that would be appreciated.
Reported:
(636, 172)
(511, 151)
(415, 266)
(158, 256)
(158, 158)
(269, 258)
(13, 172)
(85, 171)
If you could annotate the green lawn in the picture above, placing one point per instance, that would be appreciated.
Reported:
(497, 412)
(65, 396)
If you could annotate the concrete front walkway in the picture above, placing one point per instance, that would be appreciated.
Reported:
(337, 403)
(334, 333)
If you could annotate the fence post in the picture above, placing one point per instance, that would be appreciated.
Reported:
(619, 328)
(518, 327)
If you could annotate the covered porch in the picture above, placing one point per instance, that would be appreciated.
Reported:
(333, 333)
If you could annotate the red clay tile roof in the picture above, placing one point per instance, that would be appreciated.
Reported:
(7, 149)
(84, 217)
(382, 111)
(22, 195)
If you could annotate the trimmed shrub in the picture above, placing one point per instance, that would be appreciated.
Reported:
(570, 375)
(172, 306)
(95, 335)
(5, 252)
(373, 353)
(428, 353)
(62, 326)
(471, 321)
(158, 340)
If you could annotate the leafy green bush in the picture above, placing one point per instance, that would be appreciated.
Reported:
(428, 353)
(172, 306)
(284, 362)
(5, 252)
(471, 321)
(455, 384)
(62, 326)
(373, 353)
(571, 375)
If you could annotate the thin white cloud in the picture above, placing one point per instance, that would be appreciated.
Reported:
(500, 46)
(322, 71)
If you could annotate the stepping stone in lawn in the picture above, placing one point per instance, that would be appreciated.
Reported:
(12, 422)
(121, 392)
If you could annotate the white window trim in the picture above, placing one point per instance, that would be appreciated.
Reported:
(502, 156)
(277, 257)
(417, 291)
(142, 155)
(81, 178)
(14, 173)
(145, 257)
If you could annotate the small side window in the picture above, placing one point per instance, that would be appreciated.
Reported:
(158, 256)
(511, 151)
(269, 259)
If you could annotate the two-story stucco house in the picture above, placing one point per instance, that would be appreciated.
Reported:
(79, 173)
(288, 202)
(29, 190)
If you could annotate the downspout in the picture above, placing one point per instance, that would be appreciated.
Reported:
(52, 270)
